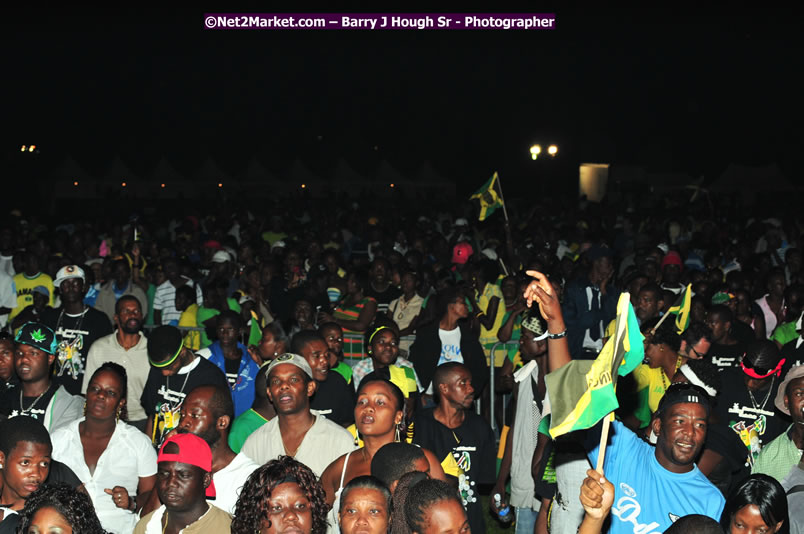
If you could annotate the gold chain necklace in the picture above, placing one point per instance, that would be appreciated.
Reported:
(284, 446)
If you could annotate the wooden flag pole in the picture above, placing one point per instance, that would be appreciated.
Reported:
(604, 432)
(661, 320)
(604, 437)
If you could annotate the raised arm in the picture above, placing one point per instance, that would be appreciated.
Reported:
(541, 291)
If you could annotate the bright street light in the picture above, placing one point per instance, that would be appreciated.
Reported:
(536, 150)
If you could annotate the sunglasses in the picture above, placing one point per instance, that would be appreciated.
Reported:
(698, 354)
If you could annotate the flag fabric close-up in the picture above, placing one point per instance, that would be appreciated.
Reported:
(582, 392)
(488, 197)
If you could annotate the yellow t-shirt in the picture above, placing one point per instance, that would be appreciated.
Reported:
(193, 338)
(651, 385)
(489, 337)
(489, 292)
(25, 287)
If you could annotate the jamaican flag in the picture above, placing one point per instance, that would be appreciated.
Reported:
(488, 197)
(681, 309)
(582, 392)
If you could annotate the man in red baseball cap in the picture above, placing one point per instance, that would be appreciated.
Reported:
(183, 481)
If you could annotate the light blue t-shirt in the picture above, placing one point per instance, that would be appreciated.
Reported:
(647, 497)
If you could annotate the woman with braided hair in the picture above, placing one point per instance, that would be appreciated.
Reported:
(282, 494)
(434, 506)
(59, 506)
(114, 460)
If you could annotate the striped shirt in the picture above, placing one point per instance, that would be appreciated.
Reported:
(352, 340)
(165, 300)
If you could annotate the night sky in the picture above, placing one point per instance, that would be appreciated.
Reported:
(672, 89)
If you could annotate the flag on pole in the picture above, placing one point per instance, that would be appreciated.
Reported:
(681, 309)
(582, 392)
(488, 197)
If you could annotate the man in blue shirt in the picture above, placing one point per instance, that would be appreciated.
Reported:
(654, 486)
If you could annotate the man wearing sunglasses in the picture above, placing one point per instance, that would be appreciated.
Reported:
(695, 342)
(745, 416)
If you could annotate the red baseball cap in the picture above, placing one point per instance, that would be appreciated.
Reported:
(461, 253)
(193, 451)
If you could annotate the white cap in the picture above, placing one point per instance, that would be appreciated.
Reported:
(67, 272)
(221, 257)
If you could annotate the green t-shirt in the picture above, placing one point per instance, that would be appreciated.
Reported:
(149, 319)
(785, 333)
(244, 425)
(345, 371)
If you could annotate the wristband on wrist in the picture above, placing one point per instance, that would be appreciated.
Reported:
(557, 336)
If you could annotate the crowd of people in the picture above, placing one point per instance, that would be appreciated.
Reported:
(331, 373)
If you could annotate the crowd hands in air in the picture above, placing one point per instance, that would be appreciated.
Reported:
(292, 373)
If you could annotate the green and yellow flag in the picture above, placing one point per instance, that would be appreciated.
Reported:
(488, 197)
(582, 392)
(681, 309)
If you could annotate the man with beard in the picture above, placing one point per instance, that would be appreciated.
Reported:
(128, 347)
(77, 327)
(207, 412)
(119, 286)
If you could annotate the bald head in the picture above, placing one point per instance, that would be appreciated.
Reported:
(444, 372)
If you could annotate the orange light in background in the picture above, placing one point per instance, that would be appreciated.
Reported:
(163, 186)
(304, 186)
(75, 183)
(123, 184)
(392, 186)
(23, 149)
(31, 148)
(220, 185)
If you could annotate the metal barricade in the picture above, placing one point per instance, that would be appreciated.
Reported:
(492, 369)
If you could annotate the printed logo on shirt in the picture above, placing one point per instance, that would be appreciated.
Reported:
(723, 362)
(627, 509)
(35, 413)
(450, 353)
(749, 435)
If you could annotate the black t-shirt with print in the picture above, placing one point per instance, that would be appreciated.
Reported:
(725, 356)
(79, 332)
(473, 451)
(739, 419)
(163, 396)
(34, 407)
